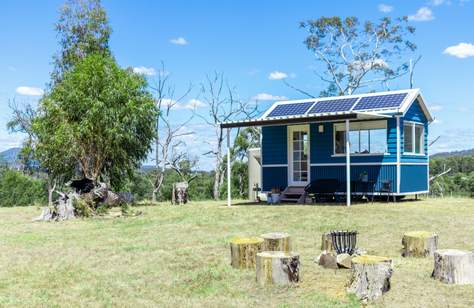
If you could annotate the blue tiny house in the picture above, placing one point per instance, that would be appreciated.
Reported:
(378, 138)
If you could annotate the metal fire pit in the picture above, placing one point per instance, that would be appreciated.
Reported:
(344, 241)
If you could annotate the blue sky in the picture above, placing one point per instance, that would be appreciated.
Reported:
(248, 41)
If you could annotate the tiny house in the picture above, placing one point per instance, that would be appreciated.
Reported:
(380, 138)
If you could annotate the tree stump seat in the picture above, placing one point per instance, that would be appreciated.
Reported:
(370, 276)
(419, 244)
(277, 267)
(276, 241)
(454, 266)
(243, 251)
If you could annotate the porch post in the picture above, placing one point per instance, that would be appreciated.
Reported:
(229, 197)
(348, 166)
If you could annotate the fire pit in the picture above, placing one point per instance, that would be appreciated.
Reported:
(344, 241)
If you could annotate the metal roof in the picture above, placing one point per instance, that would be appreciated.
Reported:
(308, 116)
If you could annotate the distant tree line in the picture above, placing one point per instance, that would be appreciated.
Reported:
(458, 179)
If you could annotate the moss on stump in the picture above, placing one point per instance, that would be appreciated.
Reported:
(370, 276)
(419, 244)
(243, 251)
(276, 241)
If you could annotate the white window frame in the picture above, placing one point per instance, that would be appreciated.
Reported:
(413, 124)
(364, 125)
(290, 129)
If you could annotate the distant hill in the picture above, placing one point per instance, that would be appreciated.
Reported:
(10, 156)
(455, 153)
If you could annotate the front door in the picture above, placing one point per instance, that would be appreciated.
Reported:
(298, 155)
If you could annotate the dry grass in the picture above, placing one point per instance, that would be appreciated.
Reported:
(179, 256)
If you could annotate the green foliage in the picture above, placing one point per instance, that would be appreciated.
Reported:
(352, 54)
(459, 181)
(83, 29)
(17, 189)
(100, 117)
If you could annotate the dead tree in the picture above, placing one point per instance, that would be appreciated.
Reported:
(223, 105)
(168, 134)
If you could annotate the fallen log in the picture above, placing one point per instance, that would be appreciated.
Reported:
(243, 251)
(277, 267)
(454, 266)
(370, 277)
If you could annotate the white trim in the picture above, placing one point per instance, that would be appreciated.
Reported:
(366, 164)
(408, 103)
(348, 164)
(361, 154)
(274, 165)
(290, 129)
(413, 125)
(229, 190)
(398, 154)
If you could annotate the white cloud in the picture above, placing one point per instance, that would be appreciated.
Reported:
(142, 70)
(423, 14)
(385, 8)
(179, 41)
(268, 97)
(461, 50)
(12, 68)
(454, 140)
(29, 91)
(277, 75)
(190, 105)
(436, 108)
(437, 121)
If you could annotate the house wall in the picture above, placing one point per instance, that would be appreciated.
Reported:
(324, 164)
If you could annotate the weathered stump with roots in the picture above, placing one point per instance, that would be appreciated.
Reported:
(370, 277)
(62, 209)
(276, 241)
(326, 242)
(243, 251)
(278, 267)
(419, 244)
(454, 266)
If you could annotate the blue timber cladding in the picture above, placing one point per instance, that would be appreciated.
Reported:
(414, 114)
(378, 174)
(322, 146)
(274, 177)
(414, 178)
(274, 145)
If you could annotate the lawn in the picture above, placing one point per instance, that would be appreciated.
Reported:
(174, 256)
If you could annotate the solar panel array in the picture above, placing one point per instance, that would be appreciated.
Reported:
(290, 109)
(334, 105)
(340, 105)
(380, 101)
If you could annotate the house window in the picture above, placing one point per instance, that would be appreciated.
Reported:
(413, 138)
(365, 137)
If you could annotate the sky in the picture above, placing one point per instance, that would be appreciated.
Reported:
(256, 44)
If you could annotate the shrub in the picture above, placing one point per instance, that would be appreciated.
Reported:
(17, 189)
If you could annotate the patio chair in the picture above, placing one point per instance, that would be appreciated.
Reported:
(386, 189)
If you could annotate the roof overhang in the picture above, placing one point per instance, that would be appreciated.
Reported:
(304, 120)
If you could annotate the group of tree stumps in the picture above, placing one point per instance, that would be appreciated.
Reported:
(275, 263)
(270, 255)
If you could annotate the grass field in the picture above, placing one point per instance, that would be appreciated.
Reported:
(179, 256)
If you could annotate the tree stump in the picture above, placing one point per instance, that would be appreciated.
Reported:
(370, 277)
(326, 242)
(454, 266)
(276, 241)
(243, 251)
(419, 244)
(277, 267)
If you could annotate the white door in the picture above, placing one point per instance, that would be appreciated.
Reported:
(298, 155)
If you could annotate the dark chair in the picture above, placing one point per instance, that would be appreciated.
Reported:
(386, 188)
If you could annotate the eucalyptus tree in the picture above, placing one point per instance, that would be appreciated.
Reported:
(351, 55)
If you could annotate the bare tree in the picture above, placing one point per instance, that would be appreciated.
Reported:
(169, 146)
(222, 105)
(351, 55)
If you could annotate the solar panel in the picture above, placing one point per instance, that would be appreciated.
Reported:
(334, 105)
(380, 101)
(290, 109)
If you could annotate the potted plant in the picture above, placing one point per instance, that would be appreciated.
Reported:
(364, 176)
(275, 195)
